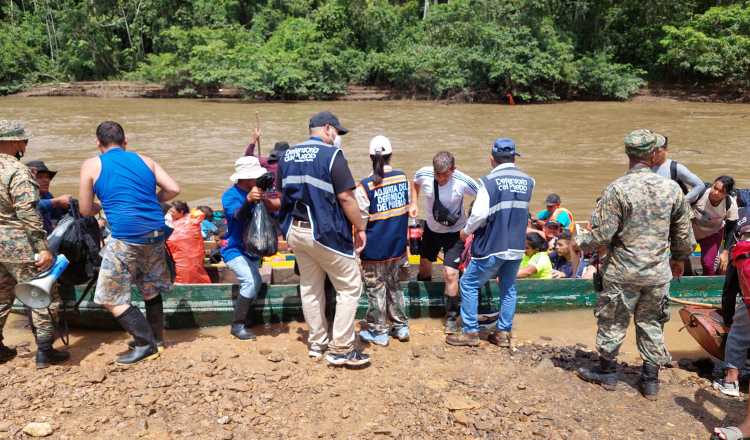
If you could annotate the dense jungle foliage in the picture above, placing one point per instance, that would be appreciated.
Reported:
(538, 50)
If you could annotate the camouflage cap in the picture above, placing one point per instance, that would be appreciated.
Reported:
(13, 131)
(641, 142)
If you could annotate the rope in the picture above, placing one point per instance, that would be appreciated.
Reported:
(693, 303)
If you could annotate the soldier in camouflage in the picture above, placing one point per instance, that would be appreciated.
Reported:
(21, 237)
(643, 220)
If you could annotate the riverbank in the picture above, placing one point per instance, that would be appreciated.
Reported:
(136, 89)
(208, 385)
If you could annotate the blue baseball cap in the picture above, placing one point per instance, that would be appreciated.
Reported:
(504, 147)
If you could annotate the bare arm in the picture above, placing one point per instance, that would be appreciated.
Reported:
(526, 271)
(414, 204)
(349, 205)
(86, 203)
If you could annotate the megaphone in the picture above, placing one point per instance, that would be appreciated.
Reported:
(36, 293)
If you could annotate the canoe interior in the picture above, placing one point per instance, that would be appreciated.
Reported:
(203, 305)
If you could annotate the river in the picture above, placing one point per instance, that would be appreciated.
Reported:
(573, 149)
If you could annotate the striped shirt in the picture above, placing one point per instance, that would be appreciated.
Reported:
(451, 196)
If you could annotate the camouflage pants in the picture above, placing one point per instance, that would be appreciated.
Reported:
(127, 264)
(10, 275)
(648, 305)
(384, 296)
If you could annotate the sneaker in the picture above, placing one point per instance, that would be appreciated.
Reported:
(368, 336)
(727, 388)
(315, 353)
(401, 333)
(352, 359)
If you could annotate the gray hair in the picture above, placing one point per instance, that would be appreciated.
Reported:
(443, 161)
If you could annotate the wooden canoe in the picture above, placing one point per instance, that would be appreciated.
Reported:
(203, 305)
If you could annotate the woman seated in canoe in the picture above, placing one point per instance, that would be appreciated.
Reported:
(535, 263)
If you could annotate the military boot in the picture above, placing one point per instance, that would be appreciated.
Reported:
(46, 355)
(452, 310)
(155, 318)
(649, 385)
(605, 374)
(239, 327)
(6, 353)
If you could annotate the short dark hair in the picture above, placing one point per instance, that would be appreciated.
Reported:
(536, 242)
(181, 206)
(207, 211)
(110, 133)
(727, 182)
(443, 161)
(503, 158)
(565, 235)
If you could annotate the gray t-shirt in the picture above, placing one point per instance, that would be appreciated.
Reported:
(690, 180)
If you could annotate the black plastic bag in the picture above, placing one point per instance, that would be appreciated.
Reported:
(79, 239)
(260, 233)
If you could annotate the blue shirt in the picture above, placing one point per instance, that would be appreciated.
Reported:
(208, 228)
(232, 200)
(50, 215)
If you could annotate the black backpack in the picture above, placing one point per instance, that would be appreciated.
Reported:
(79, 239)
(673, 176)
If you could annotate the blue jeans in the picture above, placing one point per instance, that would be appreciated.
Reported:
(476, 276)
(247, 272)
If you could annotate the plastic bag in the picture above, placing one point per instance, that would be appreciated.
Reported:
(79, 239)
(260, 233)
(188, 250)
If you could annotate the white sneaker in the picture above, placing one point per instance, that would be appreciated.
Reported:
(315, 353)
(727, 388)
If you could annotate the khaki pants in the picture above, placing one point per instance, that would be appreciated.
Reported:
(315, 262)
(10, 275)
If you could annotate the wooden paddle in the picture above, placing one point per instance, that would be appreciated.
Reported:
(695, 304)
(257, 126)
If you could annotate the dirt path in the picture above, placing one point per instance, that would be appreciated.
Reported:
(207, 385)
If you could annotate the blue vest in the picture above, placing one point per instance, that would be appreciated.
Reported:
(126, 186)
(389, 216)
(504, 233)
(306, 177)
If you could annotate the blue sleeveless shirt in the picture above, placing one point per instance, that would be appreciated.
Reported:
(127, 189)
(389, 216)
(306, 177)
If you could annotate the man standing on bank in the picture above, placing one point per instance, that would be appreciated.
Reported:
(318, 212)
(126, 183)
(642, 218)
(444, 188)
(498, 221)
(22, 236)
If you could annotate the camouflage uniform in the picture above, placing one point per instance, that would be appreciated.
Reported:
(641, 217)
(384, 296)
(21, 233)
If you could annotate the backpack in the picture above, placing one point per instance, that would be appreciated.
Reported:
(79, 239)
(707, 186)
(673, 176)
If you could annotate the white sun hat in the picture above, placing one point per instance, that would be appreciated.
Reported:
(380, 145)
(247, 167)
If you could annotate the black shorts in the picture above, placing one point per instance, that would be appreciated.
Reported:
(449, 243)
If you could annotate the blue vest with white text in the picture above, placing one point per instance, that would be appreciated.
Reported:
(306, 177)
(389, 216)
(504, 233)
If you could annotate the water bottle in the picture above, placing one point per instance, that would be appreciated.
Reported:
(415, 236)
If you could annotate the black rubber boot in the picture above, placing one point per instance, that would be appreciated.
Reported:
(452, 310)
(46, 355)
(649, 385)
(136, 324)
(6, 353)
(155, 318)
(241, 310)
(605, 374)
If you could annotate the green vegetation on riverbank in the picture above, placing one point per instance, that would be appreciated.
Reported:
(537, 50)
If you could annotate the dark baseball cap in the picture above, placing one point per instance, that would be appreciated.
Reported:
(278, 150)
(40, 167)
(327, 118)
(552, 199)
(504, 147)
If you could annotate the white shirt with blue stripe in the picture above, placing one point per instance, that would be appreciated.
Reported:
(451, 196)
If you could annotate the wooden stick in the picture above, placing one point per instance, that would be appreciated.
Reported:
(257, 125)
(696, 304)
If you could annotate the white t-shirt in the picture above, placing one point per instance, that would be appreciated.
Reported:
(451, 196)
(709, 219)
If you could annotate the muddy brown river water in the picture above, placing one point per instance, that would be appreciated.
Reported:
(573, 149)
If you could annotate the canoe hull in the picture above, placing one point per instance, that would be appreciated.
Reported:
(204, 305)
